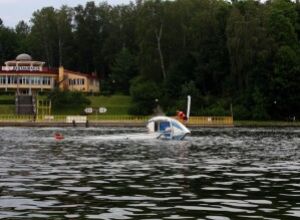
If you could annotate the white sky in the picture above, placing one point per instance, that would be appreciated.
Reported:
(13, 11)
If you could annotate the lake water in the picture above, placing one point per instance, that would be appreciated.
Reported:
(216, 174)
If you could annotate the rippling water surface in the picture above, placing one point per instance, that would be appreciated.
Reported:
(216, 174)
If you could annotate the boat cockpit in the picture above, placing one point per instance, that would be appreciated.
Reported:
(167, 128)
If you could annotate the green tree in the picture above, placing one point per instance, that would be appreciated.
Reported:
(123, 70)
(285, 79)
(22, 30)
(144, 94)
(62, 100)
(66, 46)
(120, 28)
(241, 46)
(259, 110)
(91, 31)
(44, 40)
(150, 29)
(8, 43)
(285, 84)
(208, 46)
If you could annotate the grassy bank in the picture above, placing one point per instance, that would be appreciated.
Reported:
(115, 105)
(266, 124)
(7, 104)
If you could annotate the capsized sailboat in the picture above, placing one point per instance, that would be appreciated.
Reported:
(166, 128)
(159, 127)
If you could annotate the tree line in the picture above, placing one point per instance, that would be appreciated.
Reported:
(244, 54)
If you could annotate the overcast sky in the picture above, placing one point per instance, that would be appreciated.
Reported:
(13, 11)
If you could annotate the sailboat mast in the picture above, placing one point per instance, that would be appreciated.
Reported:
(188, 108)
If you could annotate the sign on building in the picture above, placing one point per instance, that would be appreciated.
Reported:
(22, 68)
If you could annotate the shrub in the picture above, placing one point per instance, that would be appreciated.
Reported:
(66, 99)
(144, 95)
(241, 113)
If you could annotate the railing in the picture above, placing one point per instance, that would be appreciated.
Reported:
(193, 121)
(211, 121)
(16, 118)
(96, 118)
(122, 118)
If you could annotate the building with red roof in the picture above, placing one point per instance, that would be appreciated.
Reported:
(27, 76)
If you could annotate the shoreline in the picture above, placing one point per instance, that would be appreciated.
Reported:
(237, 124)
(281, 124)
(95, 124)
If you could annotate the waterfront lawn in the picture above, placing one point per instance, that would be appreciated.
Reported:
(115, 105)
(7, 100)
(7, 109)
(7, 104)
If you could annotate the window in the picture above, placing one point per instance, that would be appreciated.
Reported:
(2, 79)
(163, 125)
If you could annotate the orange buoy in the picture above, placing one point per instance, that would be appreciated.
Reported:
(58, 136)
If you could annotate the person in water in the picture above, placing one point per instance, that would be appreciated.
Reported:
(181, 115)
(58, 136)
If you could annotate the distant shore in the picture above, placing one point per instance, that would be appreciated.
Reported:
(64, 124)
(143, 124)
(266, 123)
